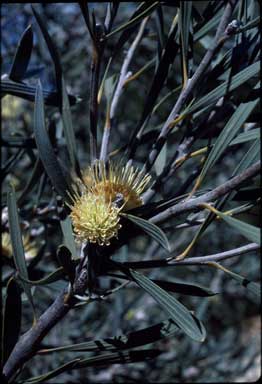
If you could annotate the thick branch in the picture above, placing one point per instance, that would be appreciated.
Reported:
(29, 342)
(194, 204)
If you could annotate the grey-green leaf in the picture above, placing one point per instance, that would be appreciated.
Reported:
(68, 126)
(251, 156)
(234, 124)
(49, 279)
(124, 357)
(69, 240)
(253, 134)
(151, 229)
(179, 314)
(22, 56)
(253, 287)
(17, 242)
(46, 151)
(131, 340)
(249, 231)
(238, 79)
(136, 19)
(161, 160)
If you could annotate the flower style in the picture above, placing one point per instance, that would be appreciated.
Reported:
(104, 194)
(127, 181)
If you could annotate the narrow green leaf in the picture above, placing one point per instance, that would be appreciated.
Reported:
(252, 24)
(69, 240)
(109, 87)
(161, 160)
(127, 32)
(253, 287)
(249, 231)
(253, 134)
(249, 158)
(151, 229)
(211, 24)
(131, 340)
(17, 243)
(68, 127)
(11, 318)
(179, 314)
(125, 357)
(49, 279)
(46, 151)
(102, 85)
(27, 92)
(47, 376)
(185, 20)
(237, 80)
(234, 124)
(135, 20)
(32, 181)
(65, 259)
(184, 288)
(161, 101)
(185, 24)
(53, 53)
(22, 56)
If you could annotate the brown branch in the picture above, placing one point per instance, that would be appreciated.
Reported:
(194, 204)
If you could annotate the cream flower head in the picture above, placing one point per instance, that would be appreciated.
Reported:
(105, 193)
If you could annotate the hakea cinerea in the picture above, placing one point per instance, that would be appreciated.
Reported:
(30, 248)
(103, 193)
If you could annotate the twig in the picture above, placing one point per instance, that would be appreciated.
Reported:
(200, 260)
(218, 256)
(95, 69)
(119, 88)
(194, 204)
(222, 34)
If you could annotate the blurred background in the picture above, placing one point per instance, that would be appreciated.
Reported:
(232, 349)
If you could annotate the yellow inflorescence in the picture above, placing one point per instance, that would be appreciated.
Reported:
(94, 219)
(115, 180)
(95, 211)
